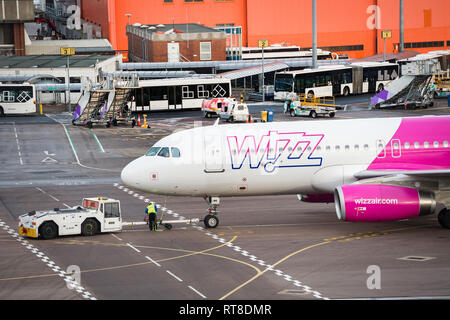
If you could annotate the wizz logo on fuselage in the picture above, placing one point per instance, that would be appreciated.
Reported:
(274, 150)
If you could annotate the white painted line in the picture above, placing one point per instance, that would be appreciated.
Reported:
(245, 253)
(52, 266)
(153, 261)
(116, 237)
(197, 292)
(133, 248)
(54, 198)
(18, 145)
(174, 276)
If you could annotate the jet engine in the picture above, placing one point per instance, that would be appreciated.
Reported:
(370, 203)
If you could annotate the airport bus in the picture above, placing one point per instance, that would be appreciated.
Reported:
(327, 81)
(17, 99)
(178, 93)
(281, 52)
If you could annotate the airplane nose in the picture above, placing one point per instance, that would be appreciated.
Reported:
(132, 174)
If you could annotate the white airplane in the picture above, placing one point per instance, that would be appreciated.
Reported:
(373, 169)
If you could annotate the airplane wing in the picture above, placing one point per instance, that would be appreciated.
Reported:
(367, 174)
(437, 181)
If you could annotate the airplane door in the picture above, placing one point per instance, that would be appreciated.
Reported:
(213, 154)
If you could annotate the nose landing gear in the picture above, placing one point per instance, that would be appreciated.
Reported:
(211, 220)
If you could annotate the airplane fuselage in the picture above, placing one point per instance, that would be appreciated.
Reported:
(296, 157)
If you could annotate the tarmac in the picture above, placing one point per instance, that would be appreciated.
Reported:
(265, 248)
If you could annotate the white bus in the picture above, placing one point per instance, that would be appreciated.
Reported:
(327, 81)
(17, 99)
(178, 93)
(280, 52)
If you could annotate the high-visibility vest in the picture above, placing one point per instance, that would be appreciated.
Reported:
(151, 209)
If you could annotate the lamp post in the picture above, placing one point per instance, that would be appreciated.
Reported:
(314, 35)
(401, 42)
(128, 15)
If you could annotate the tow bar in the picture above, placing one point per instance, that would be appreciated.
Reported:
(165, 223)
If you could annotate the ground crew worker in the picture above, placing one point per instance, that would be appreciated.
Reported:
(151, 210)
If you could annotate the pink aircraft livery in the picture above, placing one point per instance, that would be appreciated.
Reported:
(379, 169)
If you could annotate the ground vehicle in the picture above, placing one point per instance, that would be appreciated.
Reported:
(335, 80)
(17, 99)
(298, 108)
(179, 93)
(235, 112)
(214, 106)
(280, 52)
(93, 216)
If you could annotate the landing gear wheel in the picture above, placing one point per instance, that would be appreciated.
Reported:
(211, 221)
(444, 218)
(48, 230)
(89, 227)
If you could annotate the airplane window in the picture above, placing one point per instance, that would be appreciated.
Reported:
(356, 147)
(395, 145)
(436, 144)
(407, 145)
(175, 152)
(347, 147)
(366, 147)
(416, 145)
(153, 151)
(319, 148)
(426, 145)
(328, 148)
(164, 152)
(446, 144)
(337, 148)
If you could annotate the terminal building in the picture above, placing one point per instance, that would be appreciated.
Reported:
(52, 70)
(349, 27)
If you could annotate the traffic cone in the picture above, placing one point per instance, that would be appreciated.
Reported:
(139, 120)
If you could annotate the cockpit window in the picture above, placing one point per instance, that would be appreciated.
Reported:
(164, 152)
(175, 152)
(153, 151)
